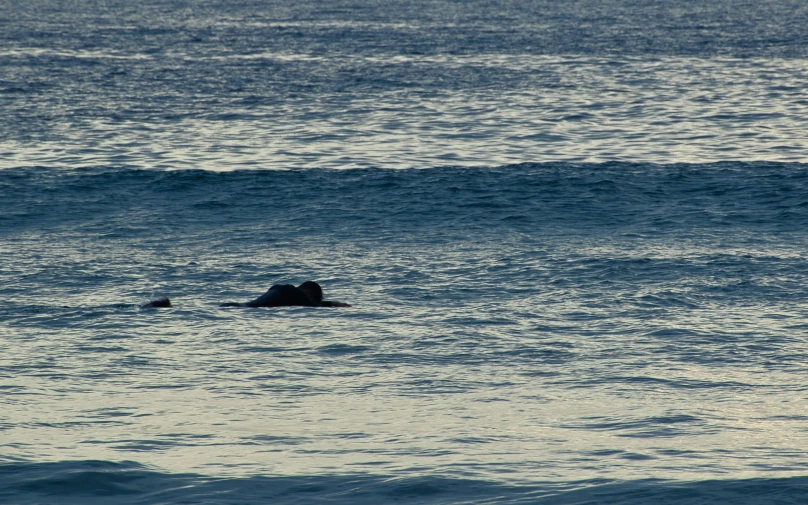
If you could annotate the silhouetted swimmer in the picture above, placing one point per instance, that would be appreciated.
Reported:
(161, 302)
(308, 294)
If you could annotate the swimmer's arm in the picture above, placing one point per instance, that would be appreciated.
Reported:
(335, 304)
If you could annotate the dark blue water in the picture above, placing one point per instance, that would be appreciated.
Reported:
(223, 86)
(572, 234)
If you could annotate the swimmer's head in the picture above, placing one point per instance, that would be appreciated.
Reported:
(313, 291)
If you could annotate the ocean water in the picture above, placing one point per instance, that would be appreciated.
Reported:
(573, 236)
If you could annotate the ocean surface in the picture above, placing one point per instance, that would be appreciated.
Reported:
(573, 235)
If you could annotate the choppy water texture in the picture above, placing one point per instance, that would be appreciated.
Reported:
(171, 84)
(572, 233)
(572, 325)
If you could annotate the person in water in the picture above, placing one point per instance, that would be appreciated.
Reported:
(308, 294)
(157, 303)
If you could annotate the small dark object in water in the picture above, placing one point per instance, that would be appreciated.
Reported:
(161, 302)
(308, 294)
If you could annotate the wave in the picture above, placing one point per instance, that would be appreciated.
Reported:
(87, 482)
(646, 198)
